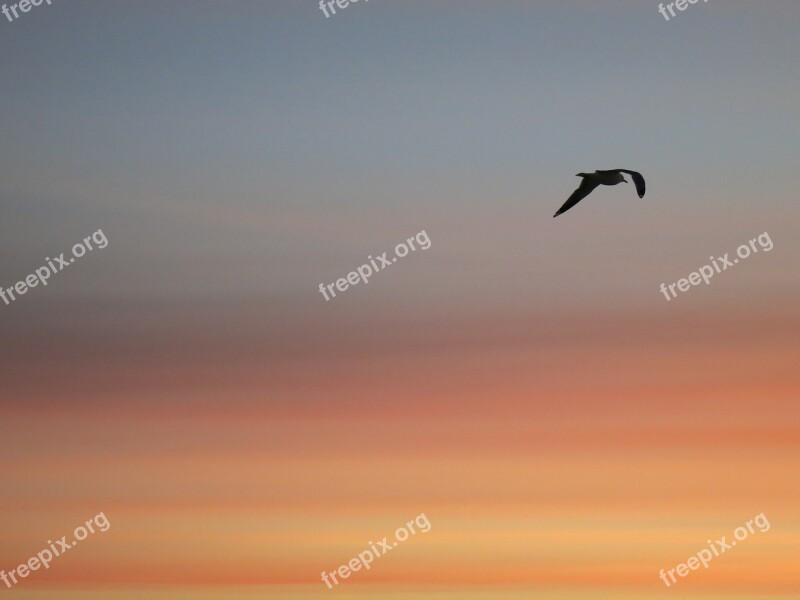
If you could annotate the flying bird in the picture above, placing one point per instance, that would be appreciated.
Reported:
(592, 180)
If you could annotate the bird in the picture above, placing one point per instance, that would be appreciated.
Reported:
(592, 180)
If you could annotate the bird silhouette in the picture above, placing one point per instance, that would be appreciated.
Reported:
(591, 180)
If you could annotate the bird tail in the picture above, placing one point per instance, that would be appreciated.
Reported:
(582, 175)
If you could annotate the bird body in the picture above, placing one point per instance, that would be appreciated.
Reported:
(604, 177)
(590, 181)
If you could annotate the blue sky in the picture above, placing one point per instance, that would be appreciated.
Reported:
(277, 148)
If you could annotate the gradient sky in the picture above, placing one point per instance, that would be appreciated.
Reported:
(567, 431)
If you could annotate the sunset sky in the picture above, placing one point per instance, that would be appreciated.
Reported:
(567, 431)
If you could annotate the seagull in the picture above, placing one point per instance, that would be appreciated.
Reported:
(592, 180)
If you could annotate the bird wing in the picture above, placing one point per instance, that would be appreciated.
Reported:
(637, 179)
(584, 189)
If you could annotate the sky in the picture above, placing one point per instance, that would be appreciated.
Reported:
(523, 382)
